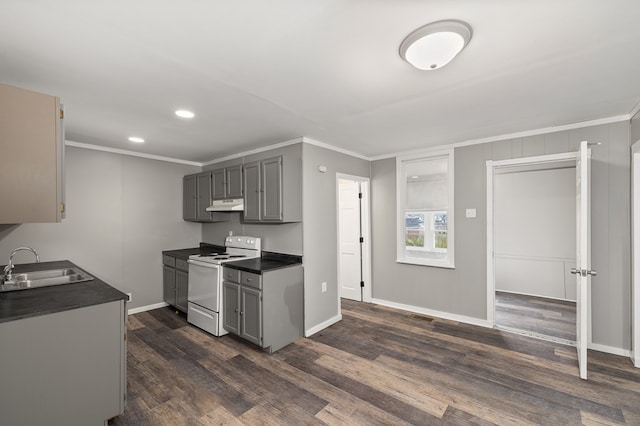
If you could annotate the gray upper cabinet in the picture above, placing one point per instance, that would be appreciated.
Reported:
(233, 179)
(32, 172)
(252, 195)
(204, 196)
(190, 198)
(197, 191)
(266, 199)
(227, 182)
(218, 186)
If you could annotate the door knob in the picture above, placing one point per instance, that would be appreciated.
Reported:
(574, 271)
(592, 273)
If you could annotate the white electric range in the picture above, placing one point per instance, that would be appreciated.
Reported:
(205, 282)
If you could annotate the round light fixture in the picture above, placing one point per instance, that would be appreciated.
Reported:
(183, 113)
(436, 44)
(136, 139)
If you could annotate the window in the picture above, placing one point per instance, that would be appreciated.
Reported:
(425, 209)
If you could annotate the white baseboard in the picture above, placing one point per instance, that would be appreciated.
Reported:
(434, 313)
(322, 326)
(609, 349)
(146, 308)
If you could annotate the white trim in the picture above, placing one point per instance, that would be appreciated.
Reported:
(609, 349)
(538, 159)
(299, 139)
(334, 148)
(433, 313)
(130, 153)
(365, 224)
(323, 325)
(525, 133)
(401, 202)
(634, 111)
(146, 308)
(635, 253)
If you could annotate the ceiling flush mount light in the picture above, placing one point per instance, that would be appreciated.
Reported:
(436, 44)
(183, 113)
(136, 139)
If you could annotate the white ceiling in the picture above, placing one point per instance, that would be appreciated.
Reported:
(259, 72)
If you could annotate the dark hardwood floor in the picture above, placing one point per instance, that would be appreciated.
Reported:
(539, 315)
(378, 366)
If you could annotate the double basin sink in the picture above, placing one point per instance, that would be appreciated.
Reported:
(49, 277)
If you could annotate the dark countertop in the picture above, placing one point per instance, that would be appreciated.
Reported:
(203, 249)
(268, 262)
(34, 302)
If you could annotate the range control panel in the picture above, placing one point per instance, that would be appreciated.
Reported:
(253, 243)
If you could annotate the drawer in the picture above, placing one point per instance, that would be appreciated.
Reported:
(232, 275)
(251, 280)
(168, 260)
(183, 265)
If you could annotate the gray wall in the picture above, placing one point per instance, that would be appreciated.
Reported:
(463, 290)
(122, 211)
(320, 228)
(535, 232)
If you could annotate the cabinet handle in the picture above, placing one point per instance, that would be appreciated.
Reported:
(236, 310)
(248, 280)
(261, 190)
(241, 313)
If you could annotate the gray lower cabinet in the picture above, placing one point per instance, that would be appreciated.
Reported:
(65, 368)
(266, 309)
(175, 282)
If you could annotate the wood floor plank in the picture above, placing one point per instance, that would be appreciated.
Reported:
(378, 366)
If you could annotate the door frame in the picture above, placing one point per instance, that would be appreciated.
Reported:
(492, 165)
(365, 225)
(635, 253)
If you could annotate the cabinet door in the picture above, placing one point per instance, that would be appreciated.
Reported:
(233, 179)
(189, 197)
(218, 184)
(272, 189)
(252, 191)
(251, 315)
(169, 285)
(32, 148)
(204, 196)
(231, 307)
(182, 288)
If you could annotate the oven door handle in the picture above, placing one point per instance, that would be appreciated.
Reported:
(203, 264)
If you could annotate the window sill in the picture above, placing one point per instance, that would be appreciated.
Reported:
(430, 264)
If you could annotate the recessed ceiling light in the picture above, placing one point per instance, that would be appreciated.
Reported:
(136, 139)
(184, 113)
(415, 177)
(435, 45)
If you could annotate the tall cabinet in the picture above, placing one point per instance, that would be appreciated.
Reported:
(32, 141)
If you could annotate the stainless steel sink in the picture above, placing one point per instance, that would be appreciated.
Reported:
(34, 279)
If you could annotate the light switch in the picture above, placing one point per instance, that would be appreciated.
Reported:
(471, 212)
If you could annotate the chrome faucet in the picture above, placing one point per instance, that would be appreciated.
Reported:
(7, 269)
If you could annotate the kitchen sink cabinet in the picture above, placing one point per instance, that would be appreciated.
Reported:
(197, 190)
(32, 172)
(271, 193)
(64, 368)
(265, 309)
(175, 282)
(227, 182)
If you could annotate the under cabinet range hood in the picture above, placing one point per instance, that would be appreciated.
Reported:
(230, 205)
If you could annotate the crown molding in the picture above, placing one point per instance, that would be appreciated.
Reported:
(130, 153)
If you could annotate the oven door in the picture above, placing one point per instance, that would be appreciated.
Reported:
(203, 285)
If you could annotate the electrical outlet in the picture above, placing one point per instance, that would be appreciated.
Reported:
(129, 297)
(324, 287)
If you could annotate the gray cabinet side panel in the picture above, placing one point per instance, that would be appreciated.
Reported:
(283, 306)
(67, 372)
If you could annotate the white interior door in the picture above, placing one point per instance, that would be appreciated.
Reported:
(582, 270)
(349, 247)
